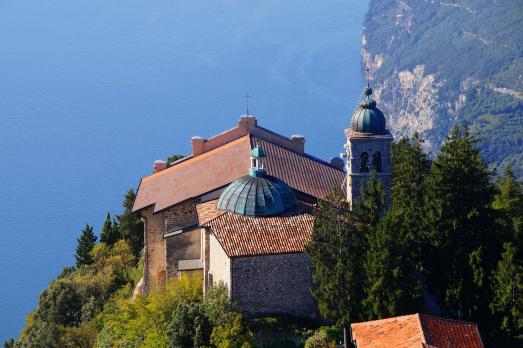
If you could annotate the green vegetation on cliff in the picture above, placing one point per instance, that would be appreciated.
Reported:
(436, 63)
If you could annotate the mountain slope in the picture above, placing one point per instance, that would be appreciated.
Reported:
(437, 63)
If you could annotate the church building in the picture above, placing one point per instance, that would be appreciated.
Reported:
(239, 209)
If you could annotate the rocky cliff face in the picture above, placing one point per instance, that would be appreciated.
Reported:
(434, 64)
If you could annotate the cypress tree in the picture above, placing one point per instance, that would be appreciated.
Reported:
(131, 225)
(85, 244)
(335, 251)
(110, 233)
(461, 223)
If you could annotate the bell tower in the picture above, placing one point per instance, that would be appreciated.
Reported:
(368, 148)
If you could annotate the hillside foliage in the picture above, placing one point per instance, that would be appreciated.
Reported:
(474, 49)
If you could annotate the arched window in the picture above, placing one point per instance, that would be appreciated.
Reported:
(376, 161)
(364, 163)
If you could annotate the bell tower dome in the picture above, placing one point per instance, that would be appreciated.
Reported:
(368, 148)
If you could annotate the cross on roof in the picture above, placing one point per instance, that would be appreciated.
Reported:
(247, 96)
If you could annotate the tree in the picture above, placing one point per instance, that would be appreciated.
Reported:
(507, 279)
(393, 259)
(131, 225)
(85, 244)
(188, 327)
(335, 251)
(509, 203)
(110, 233)
(411, 168)
(462, 232)
(507, 300)
(174, 158)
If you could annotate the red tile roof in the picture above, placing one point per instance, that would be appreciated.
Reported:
(208, 211)
(416, 331)
(441, 332)
(301, 172)
(225, 163)
(398, 332)
(195, 176)
(246, 236)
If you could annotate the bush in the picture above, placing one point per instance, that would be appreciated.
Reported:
(324, 337)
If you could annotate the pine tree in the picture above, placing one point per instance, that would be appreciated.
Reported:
(110, 233)
(335, 251)
(393, 259)
(509, 203)
(86, 243)
(507, 279)
(461, 223)
(507, 299)
(131, 225)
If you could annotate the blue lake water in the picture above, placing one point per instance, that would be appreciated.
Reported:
(92, 92)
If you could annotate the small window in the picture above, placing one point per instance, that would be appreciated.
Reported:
(376, 161)
(364, 163)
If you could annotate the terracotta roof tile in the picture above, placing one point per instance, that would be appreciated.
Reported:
(301, 172)
(418, 331)
(195, 176)
(441, 332)
(245, 236)
(398, 332)
(207, 211)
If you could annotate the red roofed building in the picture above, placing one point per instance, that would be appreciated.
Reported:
(416, 331)
(238, 211)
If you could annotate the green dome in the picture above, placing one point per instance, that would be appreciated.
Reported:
(257, 196)
(368, 118)
(257, 152)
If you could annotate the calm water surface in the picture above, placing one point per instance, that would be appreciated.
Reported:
(92, 92)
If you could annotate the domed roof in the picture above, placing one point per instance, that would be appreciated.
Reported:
(368, 118)
(257, 196)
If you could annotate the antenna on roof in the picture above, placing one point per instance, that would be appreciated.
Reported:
(247, 96)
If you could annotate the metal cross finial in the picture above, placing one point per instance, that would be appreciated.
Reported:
(247, 96)
(368, 76)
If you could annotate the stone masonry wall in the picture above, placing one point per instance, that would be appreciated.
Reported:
(179, 216)
(355, 147)
(155, 249)
(183, 246)
(273, 284)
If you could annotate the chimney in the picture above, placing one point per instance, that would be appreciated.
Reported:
(159, 165)
(337, 163)
(247, 123)
(298, 143)
(198, 145)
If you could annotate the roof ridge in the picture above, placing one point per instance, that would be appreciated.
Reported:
(422, 331)
(214, 218)
(386, 319)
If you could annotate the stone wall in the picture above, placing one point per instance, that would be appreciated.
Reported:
(183, 246)
(155, 270)
(356, 145)
(219, 264)
(181, 215)
(273, 284)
